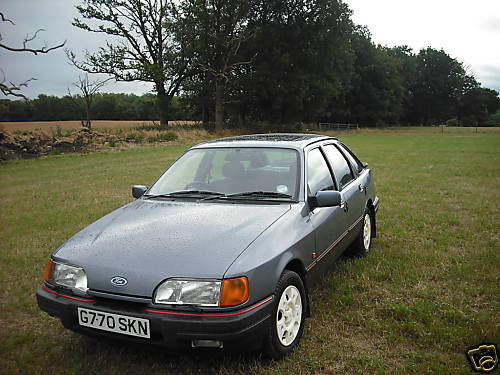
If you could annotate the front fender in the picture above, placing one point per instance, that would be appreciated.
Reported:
(289, 238)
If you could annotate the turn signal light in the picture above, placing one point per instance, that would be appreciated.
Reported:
(234, 292)
(48, 269)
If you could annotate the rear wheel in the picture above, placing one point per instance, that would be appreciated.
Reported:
(287, 321)
(363, 242)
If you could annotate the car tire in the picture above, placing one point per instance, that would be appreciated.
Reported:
(362, 244)
(287, 320)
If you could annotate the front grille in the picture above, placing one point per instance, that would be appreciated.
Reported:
(119, 305)
(120, 301)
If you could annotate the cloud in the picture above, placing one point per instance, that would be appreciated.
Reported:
(492, 23)
(493, 83)
(488, 75)
(489, 70)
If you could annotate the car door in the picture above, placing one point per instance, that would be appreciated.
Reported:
(351, 187)
(330, 223)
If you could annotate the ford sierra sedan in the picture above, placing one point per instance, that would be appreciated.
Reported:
(222, 250)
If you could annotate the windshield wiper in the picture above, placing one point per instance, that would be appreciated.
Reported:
(263, 194)
(185, 193)
(251, 194)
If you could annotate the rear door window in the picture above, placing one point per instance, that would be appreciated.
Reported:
(355, 162)
(341, 169)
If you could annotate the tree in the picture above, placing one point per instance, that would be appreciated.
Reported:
(9, 88)
(477, 105)
(406, 66)
(293, 63)
(144, 47)
(218, 28)
(492, 100)
(88, 89)
(377, 94)
(440, 82)
(45, 107)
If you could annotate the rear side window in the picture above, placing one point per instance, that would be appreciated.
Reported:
(352, 158)
(318, 174)
(340, 166)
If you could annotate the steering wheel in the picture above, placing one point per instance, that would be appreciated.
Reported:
(198, 185)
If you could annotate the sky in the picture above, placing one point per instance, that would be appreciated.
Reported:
(467, 30)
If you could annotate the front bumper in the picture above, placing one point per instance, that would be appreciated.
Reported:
(244, 328)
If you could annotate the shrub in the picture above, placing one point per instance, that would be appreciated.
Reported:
(156, 127)
(494, 119)
(149, 127)
(55, 151)
(135, 137)
(162, 137)
(165, 137)
(57, 132)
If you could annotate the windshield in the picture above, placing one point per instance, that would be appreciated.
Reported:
(266, 172)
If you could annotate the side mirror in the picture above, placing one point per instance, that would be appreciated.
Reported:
(326, 199)
(365, 164)
(138, 190)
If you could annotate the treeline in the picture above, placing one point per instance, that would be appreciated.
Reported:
(106, 106)
(272, 62)
(315, 65)
(386, 86)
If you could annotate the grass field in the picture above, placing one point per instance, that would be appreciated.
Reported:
(427, 292)
(66, 125)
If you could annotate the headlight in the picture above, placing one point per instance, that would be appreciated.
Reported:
(188, 292)
(72, 277)
(225, 293)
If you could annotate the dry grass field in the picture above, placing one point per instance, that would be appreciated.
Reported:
(66, 125)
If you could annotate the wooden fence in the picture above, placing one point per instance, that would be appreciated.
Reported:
(334, 126)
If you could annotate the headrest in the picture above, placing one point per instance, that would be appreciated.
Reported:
(233, 170)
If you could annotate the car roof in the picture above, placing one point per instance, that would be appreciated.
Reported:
(289, 140)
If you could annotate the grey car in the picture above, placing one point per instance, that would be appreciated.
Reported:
(221, 251)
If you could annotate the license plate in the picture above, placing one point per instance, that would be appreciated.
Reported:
(126, 325)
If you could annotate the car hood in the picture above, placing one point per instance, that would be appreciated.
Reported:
(148, 241)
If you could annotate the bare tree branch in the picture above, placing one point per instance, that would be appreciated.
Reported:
(35, 51)
(88, 89)
(11, 88)
(2, 17)
(26, 41)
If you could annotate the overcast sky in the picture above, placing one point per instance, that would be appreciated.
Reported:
(468, 31)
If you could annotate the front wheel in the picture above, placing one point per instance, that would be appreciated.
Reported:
(363, 242)
(287, 323)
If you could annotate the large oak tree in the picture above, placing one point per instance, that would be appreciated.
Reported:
(144, 45)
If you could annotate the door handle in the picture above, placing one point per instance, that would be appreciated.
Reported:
(344, 206)
(361, 188)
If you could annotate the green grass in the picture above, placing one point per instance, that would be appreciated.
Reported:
(427, 292)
